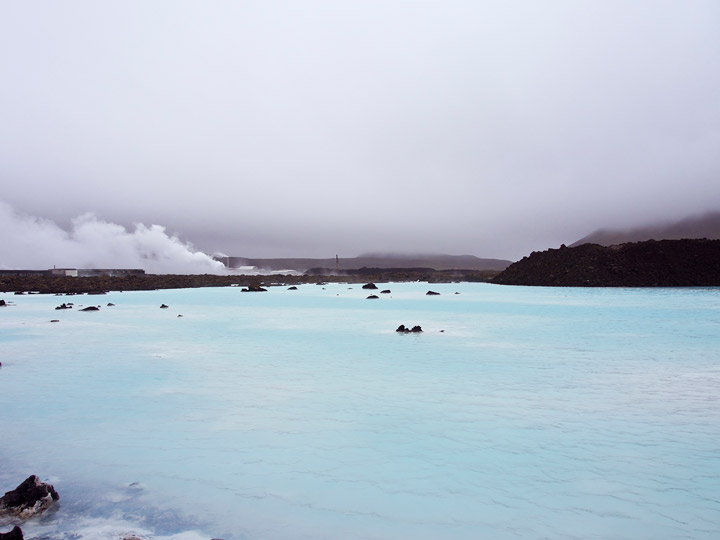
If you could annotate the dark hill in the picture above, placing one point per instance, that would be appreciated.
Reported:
(664, 263)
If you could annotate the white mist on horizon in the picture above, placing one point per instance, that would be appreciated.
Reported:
(31, 242)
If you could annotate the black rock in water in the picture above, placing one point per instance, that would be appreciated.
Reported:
(164, 306)
(432, 293)
(293, 288)
(372, 297)
(15, 534)
(3, 303)
(254, 288)
(386, 291)
(30, 498)
(369, 286)
(91, 308)
(405, 330)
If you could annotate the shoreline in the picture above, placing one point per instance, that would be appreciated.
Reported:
(147, 282)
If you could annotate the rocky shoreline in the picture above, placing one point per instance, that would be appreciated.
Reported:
(663, 263)
(100, 284)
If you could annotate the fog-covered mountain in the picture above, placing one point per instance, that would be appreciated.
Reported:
(704, 226)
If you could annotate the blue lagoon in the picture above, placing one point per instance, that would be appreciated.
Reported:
(517, 413)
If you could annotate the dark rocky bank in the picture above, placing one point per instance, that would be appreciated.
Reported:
(663, 263)
(99, 284)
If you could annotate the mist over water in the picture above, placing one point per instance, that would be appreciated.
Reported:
(30, 242)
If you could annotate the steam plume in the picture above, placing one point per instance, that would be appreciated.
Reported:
(31, 242)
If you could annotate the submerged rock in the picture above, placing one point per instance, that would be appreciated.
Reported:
(30, 498)
(15, 534)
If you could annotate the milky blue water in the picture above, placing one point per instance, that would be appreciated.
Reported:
(517, 413)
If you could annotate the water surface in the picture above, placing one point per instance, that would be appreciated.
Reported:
(517, 413)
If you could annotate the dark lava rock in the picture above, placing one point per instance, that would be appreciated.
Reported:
(3, 303)
(405, 330)
(663, 263)
(369, 286)
(254, 288)
(55, 320)
(432, 293)
(18, 293)
(91, 308)
(110, 304)
(64, 306)
(372, 297)
(30, 498)
(15, 534)
(293, 288)
(164, 306)
(386, 291)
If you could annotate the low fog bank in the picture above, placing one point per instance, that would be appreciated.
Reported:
(34, 243)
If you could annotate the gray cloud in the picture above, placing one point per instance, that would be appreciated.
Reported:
(315, 128)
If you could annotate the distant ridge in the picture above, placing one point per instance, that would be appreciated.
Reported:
(705, 226)
(664, 263)
(435, 262)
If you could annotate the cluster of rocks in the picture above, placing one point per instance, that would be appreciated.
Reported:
(31, 498)
(69, 305)
(402, 329)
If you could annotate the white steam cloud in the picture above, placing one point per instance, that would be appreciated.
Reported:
(31, 242)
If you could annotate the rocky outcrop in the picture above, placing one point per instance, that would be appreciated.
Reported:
(386, 291)
(30, 498)
(370, 286)
(64, 306)
(432, 293)
(664, 263)
(164, 306)
(15, 534)
(91, 308)
(372, 297)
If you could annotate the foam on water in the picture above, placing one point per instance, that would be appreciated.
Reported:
(518, 412)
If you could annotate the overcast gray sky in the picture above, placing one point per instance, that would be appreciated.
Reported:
(315, 128)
